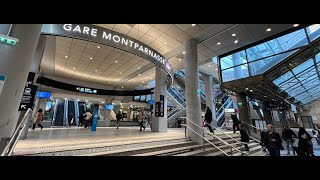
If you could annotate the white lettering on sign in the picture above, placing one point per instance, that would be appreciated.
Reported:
(115, 38)
(87, 90)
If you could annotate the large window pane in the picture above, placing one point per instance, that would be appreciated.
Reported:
(278, 45)
(313, 31)
(237, 72)
(233, 60)
(283, 78)
(261, 66)
(318, 57)
(303, 66)
(215, 59)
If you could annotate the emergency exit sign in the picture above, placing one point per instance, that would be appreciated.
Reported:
(8, 39)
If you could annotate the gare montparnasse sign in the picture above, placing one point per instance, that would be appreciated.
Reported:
(108, 37)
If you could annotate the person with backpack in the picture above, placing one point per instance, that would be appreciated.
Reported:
(118, 117)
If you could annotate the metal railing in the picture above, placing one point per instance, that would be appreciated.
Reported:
(214, 137)
(254, 130)
(16, 135)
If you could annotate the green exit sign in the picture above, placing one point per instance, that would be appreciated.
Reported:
(8, 39)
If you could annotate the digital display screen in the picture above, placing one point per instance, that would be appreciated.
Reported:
(109, 106)
(42, 94)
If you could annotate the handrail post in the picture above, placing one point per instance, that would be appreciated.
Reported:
(231, 151)
(185, 131)
(204, 145)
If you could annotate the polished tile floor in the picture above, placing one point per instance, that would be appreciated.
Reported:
(59, 139)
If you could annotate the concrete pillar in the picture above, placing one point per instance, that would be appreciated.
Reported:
(76, 110)
(210, 100)
(193, 108)
(15, 64)
(160, 124)
(243, 110)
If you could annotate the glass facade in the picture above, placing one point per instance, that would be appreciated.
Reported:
(264, 56)
(302, 82)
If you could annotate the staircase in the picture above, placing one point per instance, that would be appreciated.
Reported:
(156, 147)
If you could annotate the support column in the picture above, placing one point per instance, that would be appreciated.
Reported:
(243, 110)
(210, 100)
(76, 111)
(15, 64)
(193, 108)
(160, 124)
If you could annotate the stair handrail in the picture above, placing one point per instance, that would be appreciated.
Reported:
(214, 136)
(16, 135)
(215, 128)
(203, 138)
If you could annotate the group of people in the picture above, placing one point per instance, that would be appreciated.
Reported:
(303, 146)
(143, 118)
(84, 119)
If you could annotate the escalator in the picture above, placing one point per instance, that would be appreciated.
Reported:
(176, 92)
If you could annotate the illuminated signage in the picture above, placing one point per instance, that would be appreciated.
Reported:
(110, 38)
(86, 90)
(8, 39)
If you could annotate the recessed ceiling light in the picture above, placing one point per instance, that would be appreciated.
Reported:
(139, 74)
(121, 73)
(95, 70)
(247, 88)
(165, 43)
(65, 99)
(179, 59)
(268, 30)
(102, 102)
(193, 24)
(98, 47)
(74, 68)
(251, 90)
(236, 41)
(234, 35)
(66, 56)
(265, 96)
(116, 61)
(109, 82)
(150, 78)
(218, 43)
(209, 65)
(183, 52)
(143, 81)
(91, 58)
(295, 25)
(122, 87)
(216, 69)
(78, 99)
(138, 68)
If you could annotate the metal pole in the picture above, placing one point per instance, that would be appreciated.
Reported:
(204, 145)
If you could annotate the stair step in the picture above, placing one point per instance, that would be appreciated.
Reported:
(150, 148)
(167, 151)
(253, 147)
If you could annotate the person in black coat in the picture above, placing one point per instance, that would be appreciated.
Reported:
(235, 121)
(208, 119)
(244, 137)
(305, 146)
(273, 141)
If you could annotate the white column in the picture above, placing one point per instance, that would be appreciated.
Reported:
(15, 63)
(160, 124)
(193, 108)
(210, 101)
